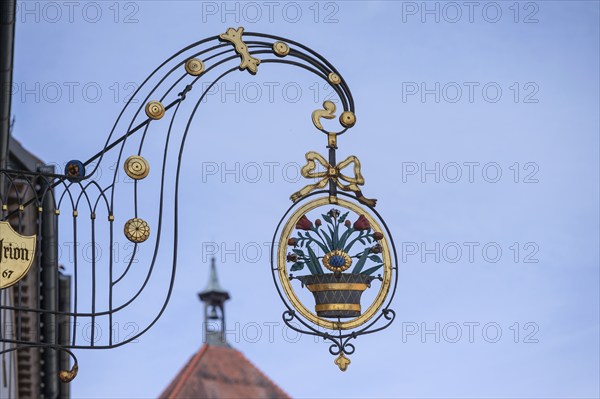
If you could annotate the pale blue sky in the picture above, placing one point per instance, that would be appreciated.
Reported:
(544, 124)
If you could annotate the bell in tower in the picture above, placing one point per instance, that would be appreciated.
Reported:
(213, 314)
(214, 297)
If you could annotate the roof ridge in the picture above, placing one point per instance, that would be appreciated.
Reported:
(216, 370)
(188, 370)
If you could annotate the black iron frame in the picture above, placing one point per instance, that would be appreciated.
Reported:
(87, 196)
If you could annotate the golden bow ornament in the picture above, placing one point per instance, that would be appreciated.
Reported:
(334, 174)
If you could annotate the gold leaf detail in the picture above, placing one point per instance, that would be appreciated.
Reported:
(155, 110)
(137, 230)
(342, 362)
(136, 167)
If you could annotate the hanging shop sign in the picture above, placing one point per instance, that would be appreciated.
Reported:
(16, 255)
(337, 247)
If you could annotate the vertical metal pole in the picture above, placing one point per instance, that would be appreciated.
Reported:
(332, 162)
(7, 38)
(49, 280)
(64, 333)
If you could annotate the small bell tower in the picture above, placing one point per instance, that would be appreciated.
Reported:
(214, 297)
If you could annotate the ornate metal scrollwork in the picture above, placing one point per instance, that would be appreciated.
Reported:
(234, 36)
(92, 202)
(309, 239)
(332, 174)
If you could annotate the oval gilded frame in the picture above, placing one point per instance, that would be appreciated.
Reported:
(286, 283)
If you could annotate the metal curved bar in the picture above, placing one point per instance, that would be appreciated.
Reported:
(311, 331)
(64, 375)
(162, 186)
(173, 69)
(84, 194)
(140, 87)
(108, 147)
(206, 91)
(161, 197)
(12, 183)
(62, 196)
(176, 221)
(101, 196)
(95, 314)
(175, 215)
(315, 63)
(314, 71)
(102, 313)
(318, 67)
(48, 191)
(314, 53)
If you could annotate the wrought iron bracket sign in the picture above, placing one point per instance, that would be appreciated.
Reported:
(335, 251)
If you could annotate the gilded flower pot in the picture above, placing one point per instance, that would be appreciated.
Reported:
(337, 296)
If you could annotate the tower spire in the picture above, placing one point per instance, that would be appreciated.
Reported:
(214, 297)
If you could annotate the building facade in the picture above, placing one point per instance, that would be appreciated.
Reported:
(25, 371)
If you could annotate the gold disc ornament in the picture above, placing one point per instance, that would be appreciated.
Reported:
(155, 110)
(334, 78)
(194, 66)
(348, 119)
(281, 49)
(137, 230)
(136, 167)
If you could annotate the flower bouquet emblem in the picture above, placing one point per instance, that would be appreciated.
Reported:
(335, 246)
(341, 257)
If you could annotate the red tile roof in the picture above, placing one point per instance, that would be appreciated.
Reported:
(221, 372)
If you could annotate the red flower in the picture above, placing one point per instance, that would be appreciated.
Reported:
(292, 257)
(347, 223)
(378, 236)
(376, 249)
(318, 222)
(304, 223)
(293, 241)
(362, 223)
